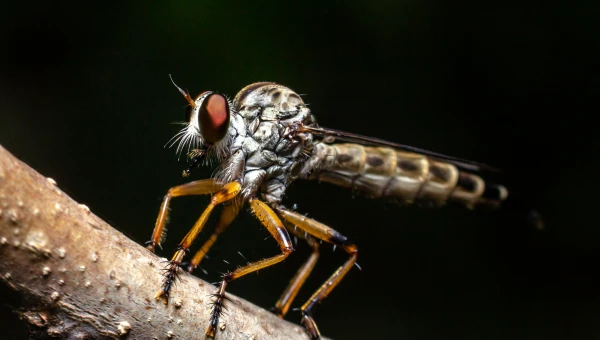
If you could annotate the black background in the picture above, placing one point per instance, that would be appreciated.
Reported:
(85, 98)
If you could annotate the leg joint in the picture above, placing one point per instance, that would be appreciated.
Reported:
(287, 250)
(350, 249)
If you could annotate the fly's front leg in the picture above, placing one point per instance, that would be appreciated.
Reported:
(229, 213)
(289, 294)
(327, 234)
(227, 192)
(273, 224)
(201, 187)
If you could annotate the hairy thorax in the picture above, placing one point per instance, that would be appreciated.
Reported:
(266, 150)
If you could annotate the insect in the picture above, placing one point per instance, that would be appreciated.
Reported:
(265, 139)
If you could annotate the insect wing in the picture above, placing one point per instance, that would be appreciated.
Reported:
(360, 139)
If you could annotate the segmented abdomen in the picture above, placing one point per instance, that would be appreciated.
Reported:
(382, 172)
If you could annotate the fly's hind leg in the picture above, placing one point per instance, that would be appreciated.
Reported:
(273, 224)
(227, 192)
(289, 294)
(327, 234)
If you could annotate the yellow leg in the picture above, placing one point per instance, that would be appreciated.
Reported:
(273, 224)
(228, 214)
(201, 187)
(325, 233)
(227, 192)
(289, 294)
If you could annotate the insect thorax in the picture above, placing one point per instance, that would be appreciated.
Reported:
(266, 151)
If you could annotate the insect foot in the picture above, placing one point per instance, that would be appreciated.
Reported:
(310, 326)
(217, 307)
(171, 276)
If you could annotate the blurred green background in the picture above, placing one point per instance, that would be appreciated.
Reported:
(85, 98)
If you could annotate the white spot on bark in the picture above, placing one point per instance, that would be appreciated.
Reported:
(94, 257)
(81, 268)
(51, 181)
(3, 240)
(61, 252)
(84, 207)
(88, 283)
(170, 334)
(124, 327)
(54, 296)
(13, 216)
(61, 282)
(46, 271)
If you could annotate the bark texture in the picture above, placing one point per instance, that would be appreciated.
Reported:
(79, 278)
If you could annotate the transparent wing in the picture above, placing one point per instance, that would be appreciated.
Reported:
(355, 138)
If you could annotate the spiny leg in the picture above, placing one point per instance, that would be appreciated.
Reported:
(273, 224)
(227, 192)
(327, 234)
(201, 187)
(229, 213)
(289, 294)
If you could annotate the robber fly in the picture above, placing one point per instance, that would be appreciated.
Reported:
(265, 139)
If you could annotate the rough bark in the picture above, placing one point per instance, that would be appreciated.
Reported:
(79, 278)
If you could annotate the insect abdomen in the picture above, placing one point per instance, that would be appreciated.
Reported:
(382, 172)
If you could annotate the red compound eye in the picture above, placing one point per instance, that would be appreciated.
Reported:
(213, 118)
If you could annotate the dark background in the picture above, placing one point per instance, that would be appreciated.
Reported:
(85, 98)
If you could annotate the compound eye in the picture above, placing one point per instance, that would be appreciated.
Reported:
(213, 118)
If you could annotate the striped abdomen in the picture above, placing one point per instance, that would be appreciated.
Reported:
(382, 172)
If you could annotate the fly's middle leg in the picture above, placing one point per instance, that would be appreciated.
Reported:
(269, 219)
(227, 192)
(229, 213)
(327, 234)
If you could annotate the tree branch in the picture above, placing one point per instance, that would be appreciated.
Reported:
(79, 278)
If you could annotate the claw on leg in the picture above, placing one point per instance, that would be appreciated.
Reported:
(171, 276)
(217, 309)
(311, 327)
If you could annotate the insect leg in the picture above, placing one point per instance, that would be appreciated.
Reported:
(289, 294)
(273, 224)
(229, 213)
(227, 192)
(327, 234)
(201, 187)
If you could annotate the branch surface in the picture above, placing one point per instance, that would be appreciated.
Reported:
(79, 278)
